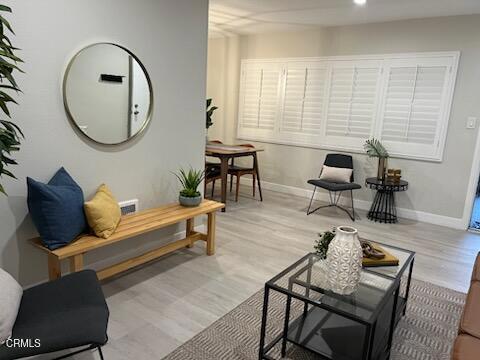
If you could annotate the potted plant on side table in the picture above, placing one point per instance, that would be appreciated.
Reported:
(374, 148)
(190, 180)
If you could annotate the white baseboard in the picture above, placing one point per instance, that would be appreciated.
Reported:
(455, 223)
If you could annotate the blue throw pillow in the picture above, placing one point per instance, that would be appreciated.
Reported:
(57, 209)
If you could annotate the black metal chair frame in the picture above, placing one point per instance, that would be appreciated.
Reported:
(334, 198)
(91, 347)
(335, 195)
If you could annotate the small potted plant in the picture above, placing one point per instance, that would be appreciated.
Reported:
(374, 148)
(190, 180)
(321, 244)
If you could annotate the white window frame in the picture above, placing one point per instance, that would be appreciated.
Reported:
(322, 141)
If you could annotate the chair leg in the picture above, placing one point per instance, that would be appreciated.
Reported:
(213, 187)
(334, 199)
(237, 190)
(311, 200)
(253, 184)
(353, 207)
(231, 182)
(100, 352)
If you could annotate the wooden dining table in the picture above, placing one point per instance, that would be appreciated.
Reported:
(226, 152)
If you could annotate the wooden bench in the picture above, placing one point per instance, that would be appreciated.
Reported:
(131, 226)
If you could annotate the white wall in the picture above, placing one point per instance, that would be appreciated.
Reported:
(435, 188)
(170, 38)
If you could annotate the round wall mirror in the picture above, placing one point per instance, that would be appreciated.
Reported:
(107, 93)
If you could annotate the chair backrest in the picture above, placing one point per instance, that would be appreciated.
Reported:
(215, 141)
(340, 161)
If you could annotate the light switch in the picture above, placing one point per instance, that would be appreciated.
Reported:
(471, 122)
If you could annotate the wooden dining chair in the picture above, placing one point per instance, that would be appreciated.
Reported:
(211, 163)
(239, 171)
(212, 171)
(212, 174)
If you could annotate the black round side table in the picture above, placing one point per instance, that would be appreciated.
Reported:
(383, 207)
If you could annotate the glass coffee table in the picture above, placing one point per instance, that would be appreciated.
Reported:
(343, 327)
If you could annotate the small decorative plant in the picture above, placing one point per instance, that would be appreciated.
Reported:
(190, 181)
(374, 148)
(321, 244)
(210, 110)
(10, 133)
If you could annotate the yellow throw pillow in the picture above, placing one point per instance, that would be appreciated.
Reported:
(103, 212)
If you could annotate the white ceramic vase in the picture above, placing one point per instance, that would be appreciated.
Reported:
(344, 261)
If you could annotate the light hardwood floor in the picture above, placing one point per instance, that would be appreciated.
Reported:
(157, 307)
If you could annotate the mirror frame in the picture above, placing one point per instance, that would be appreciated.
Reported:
(65, 101)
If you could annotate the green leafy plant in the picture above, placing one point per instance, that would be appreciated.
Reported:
(10, 133)
(322, 243)
(374, 148)
(210, 111)
(190, 181)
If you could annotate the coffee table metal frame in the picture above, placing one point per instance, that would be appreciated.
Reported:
(399, 306)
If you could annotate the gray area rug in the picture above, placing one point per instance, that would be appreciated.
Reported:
(426, 332)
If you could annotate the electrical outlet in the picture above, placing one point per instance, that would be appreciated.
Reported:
(471, 122)
(128, 206)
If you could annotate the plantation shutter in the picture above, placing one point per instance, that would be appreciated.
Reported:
(415, 105)
(259, 101)
(303, 101)
(352, 101)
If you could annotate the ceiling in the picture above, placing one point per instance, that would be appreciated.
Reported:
(231, 17)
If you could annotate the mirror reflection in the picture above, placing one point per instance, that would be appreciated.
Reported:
(107, 93)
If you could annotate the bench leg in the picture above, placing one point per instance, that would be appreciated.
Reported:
(190, 226)
(54, 269)
(211, 234)
(76, 263)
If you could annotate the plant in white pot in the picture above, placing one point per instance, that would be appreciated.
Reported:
(190, 181)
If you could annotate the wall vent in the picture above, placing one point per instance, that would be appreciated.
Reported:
(129, 206)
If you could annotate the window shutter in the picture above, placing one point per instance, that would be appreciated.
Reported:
(415, 105)
(352, 102)
(303, 104)
(252, 79)
(259, 96)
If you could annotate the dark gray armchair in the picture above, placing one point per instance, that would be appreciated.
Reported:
(67, 313)
(335, 189)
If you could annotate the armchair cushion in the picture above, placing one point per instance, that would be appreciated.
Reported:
(62, 314)
(333, 186)
(470, 322)
(466, 348)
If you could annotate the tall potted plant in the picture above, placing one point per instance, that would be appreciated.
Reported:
(374, 148)
(190, 181)
(210, 110)
(10, 133)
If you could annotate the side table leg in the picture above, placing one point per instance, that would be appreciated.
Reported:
(264, 322)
